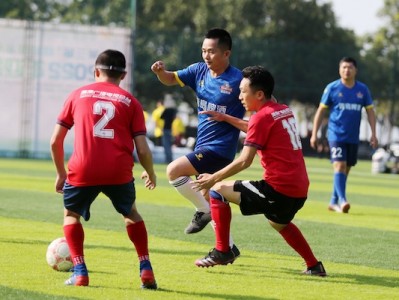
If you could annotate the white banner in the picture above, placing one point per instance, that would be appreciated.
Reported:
(40, 64)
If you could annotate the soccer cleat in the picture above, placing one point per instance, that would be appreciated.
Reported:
(198, 223)
(334, 207)
(317, 270)
(147, 276)
(148, 280)
(236, 251)
(345, 207)
(216, 257)
(77, 280)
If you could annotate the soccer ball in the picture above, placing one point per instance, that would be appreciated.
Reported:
(58, 256)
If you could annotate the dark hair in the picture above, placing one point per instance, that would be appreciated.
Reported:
(222, 35)
(112, 62)
(348, 59)
(260, 79)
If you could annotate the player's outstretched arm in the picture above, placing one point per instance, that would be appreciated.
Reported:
(217, 116)
(164, 76)
(145, 158)
(206, 181)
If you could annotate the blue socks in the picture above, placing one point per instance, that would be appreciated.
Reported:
(80, 269)
(215, 195)
(339, 188)
(145, 265)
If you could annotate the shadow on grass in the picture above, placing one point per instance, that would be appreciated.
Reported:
(104, 247)
(351, 278)
(196, 295)
(384, 281)
(11, 293)
(214, 295)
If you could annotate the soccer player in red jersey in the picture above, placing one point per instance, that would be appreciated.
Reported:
(109, 123)
(272, 133)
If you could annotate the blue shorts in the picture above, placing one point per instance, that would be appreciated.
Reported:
(258, 197)
(343, 152)
(207, 161)
(79, 198)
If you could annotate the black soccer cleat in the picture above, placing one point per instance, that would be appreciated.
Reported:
(317, 270)
(216, 257)
(236, 251)
(198, 223)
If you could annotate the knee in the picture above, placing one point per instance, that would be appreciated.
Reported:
(340, 167)
(278, 227)
(70, 214)
(171, 171)
(216, 198)
(217, 188)
(132, 217)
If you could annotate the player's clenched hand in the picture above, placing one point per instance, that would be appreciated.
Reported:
(59, 183)
(158, 66)
(150, 181)
(313, 142)
(373, 141)
(204, 182)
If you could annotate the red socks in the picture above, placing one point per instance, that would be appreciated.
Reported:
(221, 215)
(296, 240)
(74, 235)
(137, 233)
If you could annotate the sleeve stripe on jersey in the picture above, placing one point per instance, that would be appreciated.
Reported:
(139, 133)
(249, 144)
(323, 105)
(369, 106)
(181, 83)
(63, 124)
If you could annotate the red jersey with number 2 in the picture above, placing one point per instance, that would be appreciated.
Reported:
(106, 118)
(273, 131)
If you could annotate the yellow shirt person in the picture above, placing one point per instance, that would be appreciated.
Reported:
(156, 117)
(178, 130)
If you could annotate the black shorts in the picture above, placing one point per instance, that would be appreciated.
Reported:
(258, 197)
(207, 161)
(79, 198)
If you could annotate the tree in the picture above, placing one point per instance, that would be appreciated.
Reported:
(31, 10)
(381, 59)
(298, 40)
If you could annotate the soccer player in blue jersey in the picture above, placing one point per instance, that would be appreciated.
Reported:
(216, 84)
(345, 99)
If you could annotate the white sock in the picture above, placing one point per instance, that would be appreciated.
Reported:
(231, 242)
(185, 188)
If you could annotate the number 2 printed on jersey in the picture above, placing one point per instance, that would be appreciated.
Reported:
(99, 129)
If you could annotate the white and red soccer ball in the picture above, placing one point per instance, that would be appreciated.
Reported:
(58, 256)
